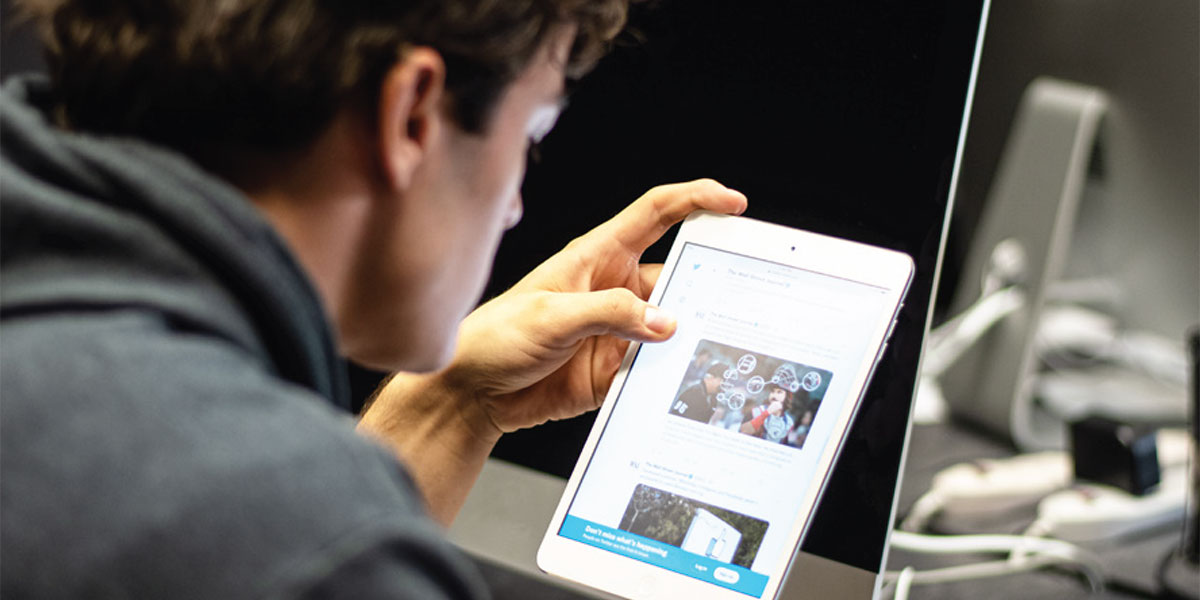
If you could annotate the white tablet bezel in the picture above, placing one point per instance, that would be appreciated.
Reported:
(631, 578)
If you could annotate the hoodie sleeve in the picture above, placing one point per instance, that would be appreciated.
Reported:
(397, 570)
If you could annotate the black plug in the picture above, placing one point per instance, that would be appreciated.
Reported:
(1116, 454)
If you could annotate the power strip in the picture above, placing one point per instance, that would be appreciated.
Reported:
(990, 486)
(985, 487)
(1090, 512)
(1093, 512)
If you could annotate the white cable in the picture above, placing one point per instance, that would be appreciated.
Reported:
(1155, 355)
(958, 544)
(904, 583)
(998, 568)
(1070, 336)
(1035, 531)
(1026, 553)
(929, 504)
(949, 341)
(1000, 295)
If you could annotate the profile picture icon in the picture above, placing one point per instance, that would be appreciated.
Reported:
(755, 385)
(811, 381)
(746, 364)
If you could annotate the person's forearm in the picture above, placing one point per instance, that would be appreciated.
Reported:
(758, 421)
(437, 433)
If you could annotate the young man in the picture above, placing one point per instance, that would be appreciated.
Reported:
(206, 206)
(698, 401)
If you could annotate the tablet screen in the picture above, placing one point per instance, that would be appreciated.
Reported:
(715, 437)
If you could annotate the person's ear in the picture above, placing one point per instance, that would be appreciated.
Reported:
(410, 104)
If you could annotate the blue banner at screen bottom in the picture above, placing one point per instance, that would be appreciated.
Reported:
(669, 557)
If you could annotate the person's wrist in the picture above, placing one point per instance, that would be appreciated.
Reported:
(437, 432)
(410, 409)
(467, 402)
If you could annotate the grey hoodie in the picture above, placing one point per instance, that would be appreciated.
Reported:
(170, 391)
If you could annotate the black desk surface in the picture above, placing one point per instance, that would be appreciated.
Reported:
(1131, 563)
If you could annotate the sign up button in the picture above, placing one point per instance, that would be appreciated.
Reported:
(726, 575)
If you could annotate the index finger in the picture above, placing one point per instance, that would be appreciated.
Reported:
(646, 220)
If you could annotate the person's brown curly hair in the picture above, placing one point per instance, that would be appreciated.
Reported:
(267, 75)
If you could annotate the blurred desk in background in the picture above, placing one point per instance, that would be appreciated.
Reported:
(1131, 563)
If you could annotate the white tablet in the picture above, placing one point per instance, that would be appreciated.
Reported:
(711, 450)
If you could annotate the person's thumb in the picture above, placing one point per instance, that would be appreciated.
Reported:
(618, 311)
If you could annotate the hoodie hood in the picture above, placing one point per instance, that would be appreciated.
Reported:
(123, 223)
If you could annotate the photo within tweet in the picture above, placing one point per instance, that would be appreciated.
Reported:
(715, 435)
(755, 394)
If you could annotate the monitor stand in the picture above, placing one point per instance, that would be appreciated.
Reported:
(1032, 206)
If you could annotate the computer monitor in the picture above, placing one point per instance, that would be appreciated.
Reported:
(841, 118)
(1139, 218)
(1134, 222)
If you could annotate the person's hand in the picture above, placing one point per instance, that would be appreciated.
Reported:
(717, 416)
(546, 349)
(549, 347)
(776, 408)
